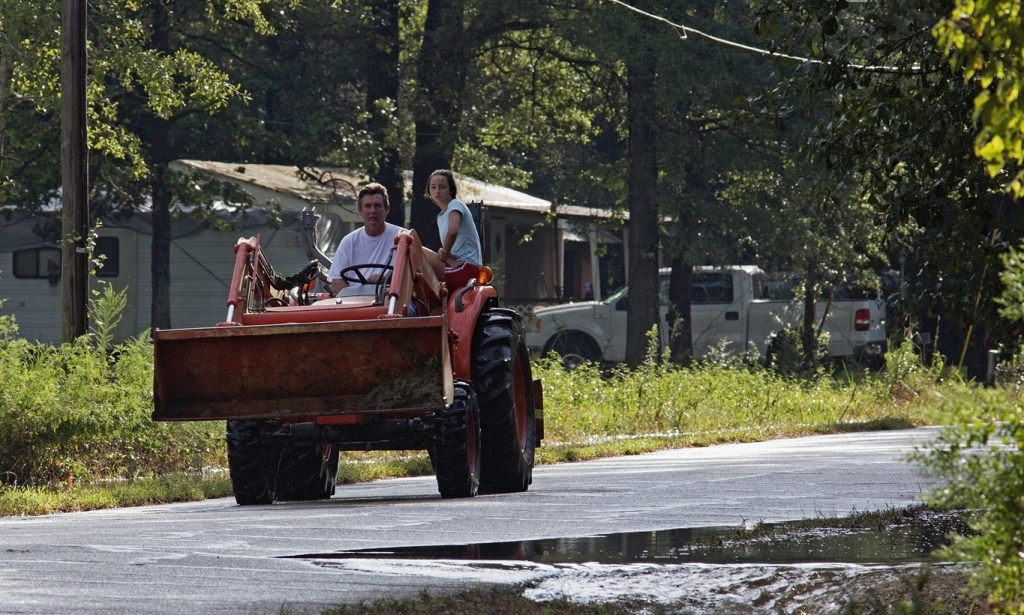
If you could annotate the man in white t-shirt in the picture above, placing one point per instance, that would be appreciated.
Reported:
(368, 245)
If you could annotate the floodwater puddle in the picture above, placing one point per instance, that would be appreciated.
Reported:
(806, 567)
(910, 541)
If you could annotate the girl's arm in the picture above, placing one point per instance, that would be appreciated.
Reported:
(454, 220)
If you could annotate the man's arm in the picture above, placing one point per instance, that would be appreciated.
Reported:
(337, 264)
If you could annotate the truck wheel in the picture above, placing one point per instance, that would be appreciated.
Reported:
(575, 348)
(307, 472)
(457, 445)
(252, 463)
(504, 385)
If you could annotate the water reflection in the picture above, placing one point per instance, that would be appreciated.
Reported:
(909, 542)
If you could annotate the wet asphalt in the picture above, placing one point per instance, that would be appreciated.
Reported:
(217, 557)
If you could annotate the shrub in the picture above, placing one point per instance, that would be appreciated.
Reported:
(979, 459)
(74, 412)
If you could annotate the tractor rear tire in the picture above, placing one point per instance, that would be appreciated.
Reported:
(457, 445)
(252, 463)
(307, 472)
(504, 386)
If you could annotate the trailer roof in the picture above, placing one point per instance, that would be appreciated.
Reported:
(340, 186)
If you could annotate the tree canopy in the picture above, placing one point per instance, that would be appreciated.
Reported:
(984, 40)
(891, 127)
(849, 144)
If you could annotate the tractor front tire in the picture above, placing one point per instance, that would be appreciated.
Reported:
(307, 472)
(456, 445)
(504, 386)
(252, 463)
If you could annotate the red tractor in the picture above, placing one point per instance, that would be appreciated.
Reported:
(300, 375)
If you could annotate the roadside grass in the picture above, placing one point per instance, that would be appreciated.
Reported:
(47, 499)
(730, 401)
(76, 431)
(357, 467)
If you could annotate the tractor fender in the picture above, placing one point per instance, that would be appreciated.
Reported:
(462, 324)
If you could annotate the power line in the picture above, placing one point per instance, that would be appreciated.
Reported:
(684, 30)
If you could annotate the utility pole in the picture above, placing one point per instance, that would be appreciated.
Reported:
(74, 171)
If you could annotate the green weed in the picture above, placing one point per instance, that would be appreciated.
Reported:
(61, 498)
(716, 402)
(979, 459)
(356, 467)
(105, 310)
(73, 413)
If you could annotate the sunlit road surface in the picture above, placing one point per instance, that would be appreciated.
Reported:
(216, 557)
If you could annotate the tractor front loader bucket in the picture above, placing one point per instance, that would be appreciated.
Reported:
(308, 369)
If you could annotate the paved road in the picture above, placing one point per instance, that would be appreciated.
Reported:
(216, 557)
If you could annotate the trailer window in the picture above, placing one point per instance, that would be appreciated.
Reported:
(38, 263)
(110, 249)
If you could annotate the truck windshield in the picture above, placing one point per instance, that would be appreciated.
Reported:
(614, 297)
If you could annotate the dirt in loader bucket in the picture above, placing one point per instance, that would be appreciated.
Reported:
(418, 387)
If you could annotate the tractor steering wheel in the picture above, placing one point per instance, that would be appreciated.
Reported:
(354, 274)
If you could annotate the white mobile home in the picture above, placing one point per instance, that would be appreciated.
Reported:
(202, 262)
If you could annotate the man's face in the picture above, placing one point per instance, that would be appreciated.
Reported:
(373, 212)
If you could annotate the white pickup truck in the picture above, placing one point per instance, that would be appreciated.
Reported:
(730, 304)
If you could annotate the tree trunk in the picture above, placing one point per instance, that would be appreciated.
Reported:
(440, 77)
(808, 336)
(160, 268)
(159, 145)
(6, 96)
(679, 321)
(643, 208)
(382, 66)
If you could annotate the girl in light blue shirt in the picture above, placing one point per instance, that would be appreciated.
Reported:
(460, 243)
